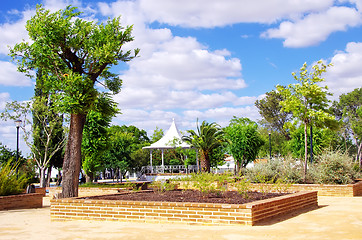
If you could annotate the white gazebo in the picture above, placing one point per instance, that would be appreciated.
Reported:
(172, 139)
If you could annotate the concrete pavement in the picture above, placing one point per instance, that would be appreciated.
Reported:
(336, 218)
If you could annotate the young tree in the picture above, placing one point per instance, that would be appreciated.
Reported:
(208, 137)
(245, 140)
(44, 152)
(75, 54)
(307, 101)
(48, 117)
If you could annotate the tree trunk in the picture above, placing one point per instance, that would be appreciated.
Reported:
(49, 176)
(205, 162)
(360, 155)
(305, 151)
(42, 177)
(89, 178)
(72, 156)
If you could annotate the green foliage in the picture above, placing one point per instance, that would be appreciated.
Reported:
(279, 144)
(45, 137)
(245, 140)
(271, 111)
(333, 168)
(163, 186)
(6, 154)
(287, 169)
(307, 100)
(157, 135)
(207, 137)
(95, 135)
(330, 167)
(75, 54)
(125, 151)
(349, 111)
(323, 139)
(10, 181)
(242, 187)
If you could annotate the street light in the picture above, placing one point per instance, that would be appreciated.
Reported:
(270, 145)
(311, 138)
(17, 124)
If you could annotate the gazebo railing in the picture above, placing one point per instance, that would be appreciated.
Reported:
(168, 169)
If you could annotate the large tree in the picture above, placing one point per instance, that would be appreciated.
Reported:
(207, 137)
(307, 100)
(270, 110)
(245, 140)
(75, 54)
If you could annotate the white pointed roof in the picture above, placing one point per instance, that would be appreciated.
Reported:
(166, 141)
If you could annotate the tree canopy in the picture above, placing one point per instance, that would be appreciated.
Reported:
(245, 140)
(74, 54)
(207, 137)
(307, 100)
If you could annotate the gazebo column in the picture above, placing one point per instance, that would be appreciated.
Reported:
(197, 160)
(151, 160)
(163, 164)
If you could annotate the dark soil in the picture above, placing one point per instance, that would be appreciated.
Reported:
(230, 197)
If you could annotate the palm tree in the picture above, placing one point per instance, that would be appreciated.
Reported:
(208, 137)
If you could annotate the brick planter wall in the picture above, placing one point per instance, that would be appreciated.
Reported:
(41, 190)
(21, 201)
(174, 212)
(85, 191)
(350, 190)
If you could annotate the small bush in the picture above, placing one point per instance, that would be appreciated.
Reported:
(11, 182)
(287, 169)
(333, 168)
(162, 186)
(242, 187)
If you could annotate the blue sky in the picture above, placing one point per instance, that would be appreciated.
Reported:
(204, 59)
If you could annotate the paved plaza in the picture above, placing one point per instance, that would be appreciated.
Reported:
(336, 218)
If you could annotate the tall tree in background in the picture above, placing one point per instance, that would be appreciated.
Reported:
(75, 54)
(270, 110)
(42, 153)
(307, 101)
(347, 109)
(245, 140)
(49, 118)
(95, 135)
(207, 137)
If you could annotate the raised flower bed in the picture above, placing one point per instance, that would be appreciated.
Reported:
(21, 201)
(180, 212)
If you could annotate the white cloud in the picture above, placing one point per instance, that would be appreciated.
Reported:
(11, 77)
(12, 33)
(206, 13)
(4, 98)
(315, 27)
(346, 73)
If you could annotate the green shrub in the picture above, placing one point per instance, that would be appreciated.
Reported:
(287, 169)
(242, 187)
(10, 181)
(333, 167)
(162, 186)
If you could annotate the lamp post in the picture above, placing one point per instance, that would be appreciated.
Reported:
(311, 138)
(17, 124)
(270, 145)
